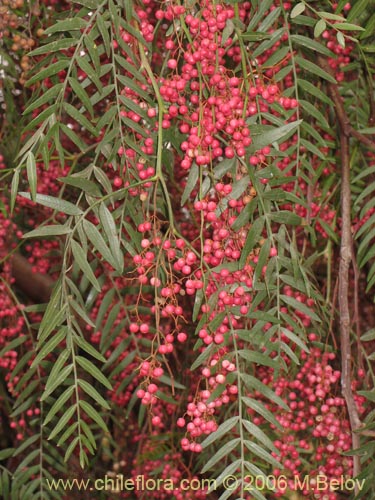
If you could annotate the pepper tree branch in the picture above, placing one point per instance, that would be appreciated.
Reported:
(346, 257)
(341, 114)
(36, 286)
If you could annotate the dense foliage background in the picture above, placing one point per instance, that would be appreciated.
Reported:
(187, 250)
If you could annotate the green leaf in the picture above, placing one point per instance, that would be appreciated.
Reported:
(314, 111)
(80, 310)
(172, 383)
(244, 216)
(34, 139)
(104, 307)
(93, 370)
(69, 431)
(261, 453)
(91, 391)
(223, 429)
(224, 167)
(103, 179)
(368, 336)
(50, 70)
(134, 126)
(48, 347)
(90, 4)
(197, 303)
(286, 217)
(87, 431)
(275, 134)
(294, 338)
(270, 19)
(30, 456)
(56, 46)
(259, 13)
(93, 414)
(55, 203)
(130, 68)
(357, 8)
(311, 44)
(57, 381)
(62, 422)
(227, 472)
(26, 444)
(314, 91)
(107, 119)
(50, 94)
(58, 404)
(252, 238)
(71, 448)
(14, 189)
(43, 116)
(22, 363)
(71, 24)
(31, 174)
(12, 345)
(255, 36)
(227, 31)
(128, 82)
(83, 344)
(297, 10)
(53, 317)
(262, 259)
(252, 382)
(52, 308)
(341, 39)
(84, 184)
(97, 240)
(81, 94)
(349, 27)
(319, 28)
(191, 183)
(44, 231)
(314, 69)
(299, 306)
(277, 56)
(129, 103)
(90, 72)
(6, 453)
(114, 357)
(258, 358)
(331, 16)
(81, 146)
(369, 395)
(259, 407)
(104, 33)
(81, 259)
(205, 354)
(110, 229)
(219, 455)
(80, 118)
(289, 352)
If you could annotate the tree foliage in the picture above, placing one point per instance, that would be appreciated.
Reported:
(193, 184)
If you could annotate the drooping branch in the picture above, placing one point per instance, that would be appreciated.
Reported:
(346, 258)
(344, 311)
(341, 114)
(36, 286)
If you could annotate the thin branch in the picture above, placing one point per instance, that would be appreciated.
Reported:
(341, 114)
(36, 286)
(356, 317)
(345, 260)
